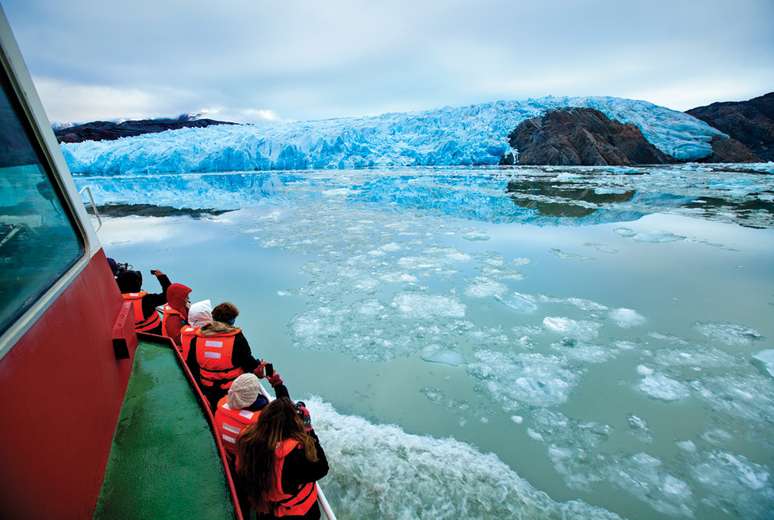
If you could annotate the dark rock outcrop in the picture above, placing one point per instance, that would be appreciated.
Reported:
(108, 131)
(730, 151)
(749, 122)
(581, 136)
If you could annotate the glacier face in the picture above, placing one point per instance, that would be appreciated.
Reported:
(450, 136)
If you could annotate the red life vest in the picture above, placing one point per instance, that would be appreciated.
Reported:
(230, 422)
(284, 504)
(213, 354)
(141, 323)
(187, 333)
(168, 312)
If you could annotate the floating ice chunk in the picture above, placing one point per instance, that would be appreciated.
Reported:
(749, 397)
(427, 306)
(716, 436)
(516, 380)
(734, 483)
(625, 232)
(765, 360)
(581, 330)
(518, 419)
(687, 446)
(639, 427)
(519, 302)
(728, 333)
(398, 278)
(644, 476)
(700, 357)
(520, 261)
(421, 476)
(626, 318)
(483, 287)
(662, 387)
(566, 255)
(370, 308)
(438, 354)
(586, 305)
(475, 236)
(534, 435)
(390, 248)
(572, 444)
(366, 284)
(644, 371)
(649, 236)
(583, 352)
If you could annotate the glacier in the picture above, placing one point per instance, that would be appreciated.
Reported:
(449, 136)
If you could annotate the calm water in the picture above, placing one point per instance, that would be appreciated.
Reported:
(532, 343)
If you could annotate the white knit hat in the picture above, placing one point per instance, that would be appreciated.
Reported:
(200, 313)
(244, 391)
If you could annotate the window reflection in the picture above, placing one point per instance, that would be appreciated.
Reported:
(38, 242)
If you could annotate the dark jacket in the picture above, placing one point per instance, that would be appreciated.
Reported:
(151, 301)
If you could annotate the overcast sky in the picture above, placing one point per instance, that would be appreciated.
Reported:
(252, 60)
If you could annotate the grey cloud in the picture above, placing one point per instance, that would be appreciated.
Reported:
(307, 59)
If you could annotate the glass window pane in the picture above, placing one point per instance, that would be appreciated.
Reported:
(38, 241)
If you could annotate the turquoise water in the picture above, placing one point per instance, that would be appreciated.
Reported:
(530, 343)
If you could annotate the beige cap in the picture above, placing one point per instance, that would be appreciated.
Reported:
(244, 391)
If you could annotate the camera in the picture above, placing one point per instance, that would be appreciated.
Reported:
(269, 370)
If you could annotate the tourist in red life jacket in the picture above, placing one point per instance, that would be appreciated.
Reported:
(175, 311)
(242, 407)
(146, 317)
(220, 353)
(199, 315)
(279, 459)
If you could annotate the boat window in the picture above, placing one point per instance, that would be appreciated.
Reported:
(38, 239)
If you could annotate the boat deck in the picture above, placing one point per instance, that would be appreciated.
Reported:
(164, 462)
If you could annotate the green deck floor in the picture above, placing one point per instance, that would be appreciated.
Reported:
(163, 462)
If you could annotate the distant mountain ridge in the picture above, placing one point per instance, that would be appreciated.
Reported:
(110, 130)
(750, 122)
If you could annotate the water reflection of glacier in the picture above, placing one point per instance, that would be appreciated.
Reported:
(542, 196)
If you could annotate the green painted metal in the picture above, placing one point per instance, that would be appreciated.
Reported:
(163, 462)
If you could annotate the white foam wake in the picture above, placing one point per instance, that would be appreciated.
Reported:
(380, 471)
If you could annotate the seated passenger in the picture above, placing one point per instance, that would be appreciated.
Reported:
(220, 353)
(242, 407)
(146, 317)
(199, 315)
(279, 459)
(175, 311)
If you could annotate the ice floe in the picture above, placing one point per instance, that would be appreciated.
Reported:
(664, 388)
(765, 360)
(626, 318)
(516, 380)
(728, 333)
(581, 330)
(645, 477)
(735, 485)
(427, 306)
(437, 354)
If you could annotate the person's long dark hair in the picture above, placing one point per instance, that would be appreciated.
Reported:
(279, 421)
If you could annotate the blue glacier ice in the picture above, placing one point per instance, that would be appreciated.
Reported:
(450, 136)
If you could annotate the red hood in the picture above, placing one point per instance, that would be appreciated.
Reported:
(176, 295)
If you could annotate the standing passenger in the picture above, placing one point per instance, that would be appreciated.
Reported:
(175, 311)
(279, 459)
(220, 353)
(146, 317)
